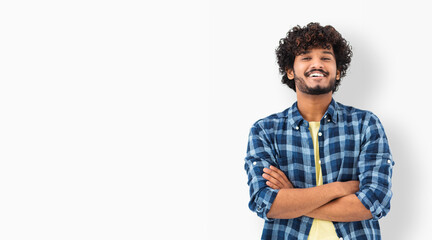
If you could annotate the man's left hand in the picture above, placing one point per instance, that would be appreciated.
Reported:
(276, 179)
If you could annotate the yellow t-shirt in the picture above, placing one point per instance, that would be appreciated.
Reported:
(321, 229)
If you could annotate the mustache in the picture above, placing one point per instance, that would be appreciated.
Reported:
(317, 70)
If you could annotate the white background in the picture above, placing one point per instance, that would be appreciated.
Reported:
(390, 41)
(129, 120)
(103, 119)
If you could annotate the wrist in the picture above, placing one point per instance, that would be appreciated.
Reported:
(340, 189)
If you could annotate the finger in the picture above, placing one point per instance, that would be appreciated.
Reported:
(273, 180)
(283, 178)
(272, 185)
(275, 174)
(282, 174)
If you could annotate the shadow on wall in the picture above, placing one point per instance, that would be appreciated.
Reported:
(362, 87)
(400, 223)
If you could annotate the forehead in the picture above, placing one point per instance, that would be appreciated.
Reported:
(318, 50)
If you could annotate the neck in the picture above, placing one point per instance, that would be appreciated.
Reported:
(313, 107)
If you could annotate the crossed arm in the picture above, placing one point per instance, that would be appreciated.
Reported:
(332, 202)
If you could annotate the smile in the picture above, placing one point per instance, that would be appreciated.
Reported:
(316, 75)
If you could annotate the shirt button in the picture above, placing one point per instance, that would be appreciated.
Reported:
(320, 134)
(340, 238)
(319, 161)
(254, 163)
(328, 120)
(388, 161)
(325, 116)
(297, 127)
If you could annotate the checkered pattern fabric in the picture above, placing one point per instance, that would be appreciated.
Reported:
(352, 146)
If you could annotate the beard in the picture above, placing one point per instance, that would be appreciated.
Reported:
(318, 90)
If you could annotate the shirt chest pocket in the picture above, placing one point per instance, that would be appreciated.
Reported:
(340, 166)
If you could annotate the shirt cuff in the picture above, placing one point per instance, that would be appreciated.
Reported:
(371, 203)
(264, 202)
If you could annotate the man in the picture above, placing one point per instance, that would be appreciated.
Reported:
(319, 169)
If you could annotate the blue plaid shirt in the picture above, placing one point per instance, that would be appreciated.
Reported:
(352, 146)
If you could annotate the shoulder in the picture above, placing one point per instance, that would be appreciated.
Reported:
(271, 121)
(353, 114)
(366, 121)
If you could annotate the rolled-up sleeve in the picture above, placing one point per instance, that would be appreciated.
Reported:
(375, 168)
(259, 155)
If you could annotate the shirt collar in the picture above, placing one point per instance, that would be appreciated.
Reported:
(295, 119)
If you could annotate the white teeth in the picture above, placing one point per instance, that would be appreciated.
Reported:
(316, 75)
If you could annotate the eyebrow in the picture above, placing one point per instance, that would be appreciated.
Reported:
(328, 52)
(306, 52)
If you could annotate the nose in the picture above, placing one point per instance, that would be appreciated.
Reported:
(317, 63)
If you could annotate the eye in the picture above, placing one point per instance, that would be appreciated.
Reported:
(306, 58)
(326, 59)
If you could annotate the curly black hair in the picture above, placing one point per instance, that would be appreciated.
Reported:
(314, 35)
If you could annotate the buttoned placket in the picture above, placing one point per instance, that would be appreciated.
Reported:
(321, 140)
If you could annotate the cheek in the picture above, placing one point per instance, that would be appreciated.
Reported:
(332, 69)
(299, 69)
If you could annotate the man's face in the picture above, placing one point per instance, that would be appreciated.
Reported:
(314, 71)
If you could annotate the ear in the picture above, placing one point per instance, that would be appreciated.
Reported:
(290, 73)
(338, 74)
